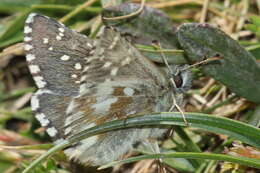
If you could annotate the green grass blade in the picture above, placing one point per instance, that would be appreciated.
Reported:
(189, 155)
(238, 130)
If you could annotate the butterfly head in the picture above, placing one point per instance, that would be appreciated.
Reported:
(180, 78)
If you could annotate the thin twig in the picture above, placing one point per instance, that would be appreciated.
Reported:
(174, 3)
(204, 11)
(128, 15)
(242, 18)
(164, 59)
(163, 50)
(258, 5)
(202, 62)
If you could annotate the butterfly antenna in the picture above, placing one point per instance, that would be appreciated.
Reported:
(168, 66)
(128, 15)
(164, 58)
(202, 62)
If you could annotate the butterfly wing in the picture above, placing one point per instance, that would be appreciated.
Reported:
(56, 57)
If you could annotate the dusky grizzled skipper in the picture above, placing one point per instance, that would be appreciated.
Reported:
(83, 83)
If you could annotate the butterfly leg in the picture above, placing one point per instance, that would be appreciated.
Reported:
(179, 109)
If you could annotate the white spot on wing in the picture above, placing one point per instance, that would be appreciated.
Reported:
(34, 68)
(61, 34)
(83, 78)
(61, 29)
(28, 47)
(77, 66)
(30, 18)
(39, 81)
(44, 91)
(126, 61)
(104, 106)
(74, 76)
(114, 71)
(89, 45)
(107, 64)
(45, 40)
(58, 37)
(65, 58)
(26, 39)
(71, 107)
(30, 57)
(35, 103)
(92, 52)
(42, 119)
(86, 69)
(113, 44)
(129, 91)
(27, 29)
(52, 131)
(68, 130)
(50, 48)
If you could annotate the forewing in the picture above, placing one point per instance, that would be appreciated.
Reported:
(55, 54)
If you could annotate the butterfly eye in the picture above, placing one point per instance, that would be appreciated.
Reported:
(178, 80)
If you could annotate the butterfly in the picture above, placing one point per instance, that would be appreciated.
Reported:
(83, 83)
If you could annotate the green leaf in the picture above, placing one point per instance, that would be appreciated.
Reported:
(149, 26)
(237, 69)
